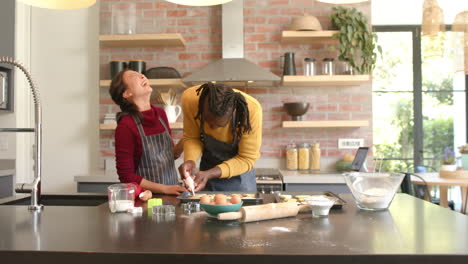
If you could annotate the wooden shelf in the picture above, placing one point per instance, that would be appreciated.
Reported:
(308, 37)
(328, 123)
(156, 83)
(324, 80)
(176, 125)
(142, 40)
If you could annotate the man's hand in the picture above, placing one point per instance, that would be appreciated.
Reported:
(187, 168)
(174, 189)
(203, 176)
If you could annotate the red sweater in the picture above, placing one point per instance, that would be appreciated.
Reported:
(128, 147)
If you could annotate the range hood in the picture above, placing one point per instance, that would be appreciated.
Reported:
(232, 67)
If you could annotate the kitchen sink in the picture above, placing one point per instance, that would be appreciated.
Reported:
(62, 200)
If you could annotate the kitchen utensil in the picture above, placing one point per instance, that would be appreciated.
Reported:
(190, 182)
(309, 66)
(305, 23)
(121, 197)
(162, 73)
(373, 191)
(289, 66)
(172, 97)
(296, 109)
(116, 67)
(327, 66)
(137, 65)
(264, 212)
(300, 196)
(215, 209)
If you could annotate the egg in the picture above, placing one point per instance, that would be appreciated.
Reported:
(235, 199)
(220, 199)
(205, 199)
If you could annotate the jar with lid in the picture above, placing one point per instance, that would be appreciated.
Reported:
(345, 68)
(327, 66)
(309, 66)
(291, 156)
(315, 157)
(304, 156)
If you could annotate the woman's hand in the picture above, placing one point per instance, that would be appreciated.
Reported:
(178, 149)
(146, 195)
(173, 189)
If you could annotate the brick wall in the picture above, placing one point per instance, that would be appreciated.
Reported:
(263, 22)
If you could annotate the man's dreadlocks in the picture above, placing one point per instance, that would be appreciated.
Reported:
(222, 100)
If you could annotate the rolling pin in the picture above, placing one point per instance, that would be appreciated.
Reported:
(264, 212)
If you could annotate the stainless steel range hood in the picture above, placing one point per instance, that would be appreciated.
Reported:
(232, 67)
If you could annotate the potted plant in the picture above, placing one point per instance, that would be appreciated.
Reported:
(448, 160)
(356, 40)
(464, 151)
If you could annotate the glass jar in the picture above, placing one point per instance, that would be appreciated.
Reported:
(315, 157)
(327, 66)
(309, 66)
(304, 156)
(345, 68)
(291, 156)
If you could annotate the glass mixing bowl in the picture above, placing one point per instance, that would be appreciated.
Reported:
(373, 191)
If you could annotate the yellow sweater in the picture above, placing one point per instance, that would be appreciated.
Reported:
(249, 145)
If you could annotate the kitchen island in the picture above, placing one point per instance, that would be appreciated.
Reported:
(411, 231)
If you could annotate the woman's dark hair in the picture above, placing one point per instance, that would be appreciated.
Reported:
(116, 90)
(221, 101)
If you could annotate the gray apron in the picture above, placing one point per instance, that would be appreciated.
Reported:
(214, 153)
(157, 158)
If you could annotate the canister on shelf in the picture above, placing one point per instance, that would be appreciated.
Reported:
(315, 160)
(309, 66)
(345, 68)
(304, 156)
(291, 156)
(327, 66)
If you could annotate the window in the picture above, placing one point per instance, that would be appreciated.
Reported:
(419, 99)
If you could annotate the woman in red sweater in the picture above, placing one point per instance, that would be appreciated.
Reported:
(144, 149)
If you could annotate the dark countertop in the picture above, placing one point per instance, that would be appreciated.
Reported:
(411, 231)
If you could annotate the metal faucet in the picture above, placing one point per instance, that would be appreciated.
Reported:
(35, 186)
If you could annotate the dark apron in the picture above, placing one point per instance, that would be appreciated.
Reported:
(157, 158)
(214, 153)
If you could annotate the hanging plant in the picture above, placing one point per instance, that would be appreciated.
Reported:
(357, 42)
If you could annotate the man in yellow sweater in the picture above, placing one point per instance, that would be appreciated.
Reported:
(224, 126)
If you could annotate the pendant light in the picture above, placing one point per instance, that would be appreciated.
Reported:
(342, 2)
(460, 27)
(60, 4)
(433, 18)
(199, 2)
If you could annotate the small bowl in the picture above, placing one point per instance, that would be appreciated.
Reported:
(296, 110)
(320, 205)
(214, 209)
(373, 191)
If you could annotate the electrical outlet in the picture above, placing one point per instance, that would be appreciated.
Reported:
(350, 143)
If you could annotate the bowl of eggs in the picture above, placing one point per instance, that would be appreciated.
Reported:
(221, 203)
